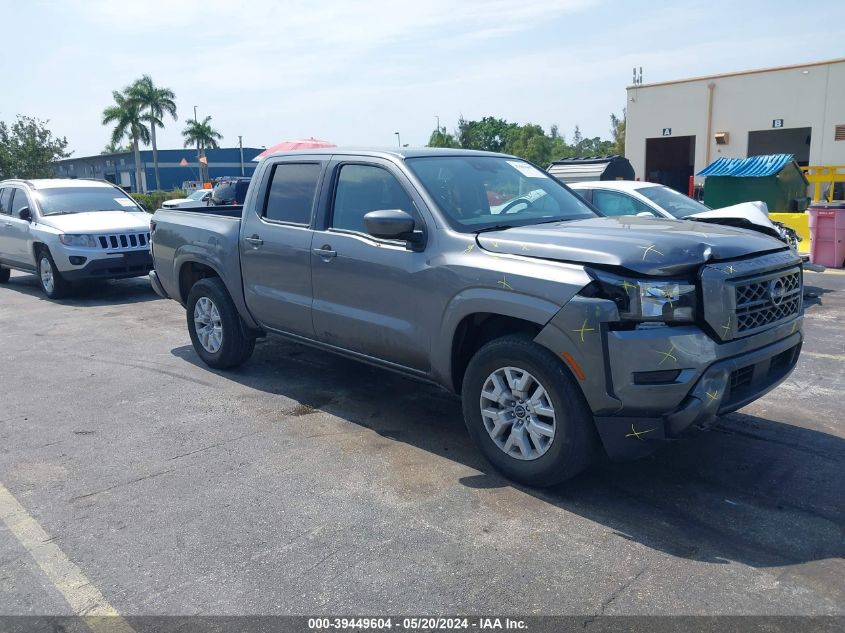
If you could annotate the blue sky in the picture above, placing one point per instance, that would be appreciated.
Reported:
(356, 72)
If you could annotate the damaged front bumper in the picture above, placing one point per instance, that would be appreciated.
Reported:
(649, 385)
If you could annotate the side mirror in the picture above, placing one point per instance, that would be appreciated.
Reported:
(25, 214)
(645, 214)
(392, 224)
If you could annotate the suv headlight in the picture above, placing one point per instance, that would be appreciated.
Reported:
(78, 240)
(645, 299)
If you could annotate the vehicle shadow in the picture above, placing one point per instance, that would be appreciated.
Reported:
(90, 293)
(753, 490)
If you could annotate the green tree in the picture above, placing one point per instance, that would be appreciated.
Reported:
(441, 138)
(115, 148)
(617, 131)
(28, 149)
(127, 119)
(201, 134)
(530, 142)
(489, 134)
(156, 103)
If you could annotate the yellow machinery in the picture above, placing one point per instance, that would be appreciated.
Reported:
(818, 176)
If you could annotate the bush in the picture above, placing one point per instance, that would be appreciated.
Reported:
(152, 200)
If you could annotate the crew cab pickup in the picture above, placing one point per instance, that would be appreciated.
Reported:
(565, 332)
(68, 230)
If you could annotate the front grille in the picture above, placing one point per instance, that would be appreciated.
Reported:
(764, 301)
(123, 241)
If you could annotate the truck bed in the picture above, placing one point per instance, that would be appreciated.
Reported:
(210, 235)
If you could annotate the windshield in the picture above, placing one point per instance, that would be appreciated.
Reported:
(679, 205)
(479, 192)
(198, 195)
(62, 200)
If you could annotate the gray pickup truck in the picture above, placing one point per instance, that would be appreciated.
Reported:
(564, 332)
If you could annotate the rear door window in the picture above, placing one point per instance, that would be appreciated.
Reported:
(19, 201)
(290, 196)
(5, 199)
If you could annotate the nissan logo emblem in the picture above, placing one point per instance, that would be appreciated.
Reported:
(777, 291)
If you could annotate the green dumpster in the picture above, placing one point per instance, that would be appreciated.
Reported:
(775, 179)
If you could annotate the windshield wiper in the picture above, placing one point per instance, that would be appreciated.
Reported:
(498, 227)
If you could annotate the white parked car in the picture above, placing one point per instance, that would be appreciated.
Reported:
(199, 198)
(634, 197)
(66, 230)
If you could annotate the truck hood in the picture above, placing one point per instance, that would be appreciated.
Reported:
(648, 246)
(98, 221)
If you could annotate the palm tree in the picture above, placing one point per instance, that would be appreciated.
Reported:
(201, 134)
(155, 104)
(126, 116)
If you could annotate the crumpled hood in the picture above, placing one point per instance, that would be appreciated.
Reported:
(756, 213)
(643, 245)
(98, 222)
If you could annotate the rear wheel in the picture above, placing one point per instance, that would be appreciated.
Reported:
(215, 326)
(4, 274)
(52, 283)
(527, 415)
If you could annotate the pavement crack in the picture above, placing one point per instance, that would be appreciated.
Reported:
(217, 445)
(124, 483)
(612, 597)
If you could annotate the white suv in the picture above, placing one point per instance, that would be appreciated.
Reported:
(71, 229)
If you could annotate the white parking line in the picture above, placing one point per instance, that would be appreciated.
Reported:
(839, 357)
(85, 600)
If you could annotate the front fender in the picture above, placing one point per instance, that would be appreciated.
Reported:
(482, 300)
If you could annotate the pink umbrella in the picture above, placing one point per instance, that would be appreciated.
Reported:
(286, 146)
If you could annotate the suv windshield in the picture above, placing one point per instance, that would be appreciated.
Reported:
(61, 200)
(479, 192)
(679, 205)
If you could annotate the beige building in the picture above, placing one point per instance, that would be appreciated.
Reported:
(676, 128)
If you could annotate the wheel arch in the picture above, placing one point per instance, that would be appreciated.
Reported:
(477, 316)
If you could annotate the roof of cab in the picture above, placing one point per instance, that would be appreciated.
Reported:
(381, 152)
(53, 183)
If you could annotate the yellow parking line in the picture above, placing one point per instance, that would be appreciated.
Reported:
(85, 600)
(839, 357)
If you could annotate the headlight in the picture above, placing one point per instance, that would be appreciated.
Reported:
(78, 240)
(645, 299)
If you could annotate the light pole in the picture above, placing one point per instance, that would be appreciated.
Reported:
(437, 116)
(199, 162)
(398, 139)
(241, 147)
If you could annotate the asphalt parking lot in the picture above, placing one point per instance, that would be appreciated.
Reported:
(305, 483)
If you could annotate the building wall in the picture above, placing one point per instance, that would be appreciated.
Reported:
(120, 168)
(811, 95)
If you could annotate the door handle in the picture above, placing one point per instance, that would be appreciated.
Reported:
(254, 240)
(325, 251)
(9, 224)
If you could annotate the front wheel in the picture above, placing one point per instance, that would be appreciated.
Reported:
(524, 410)
(215, 326)
(52, 283)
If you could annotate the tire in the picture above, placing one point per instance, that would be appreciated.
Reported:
(574, 442)
(216, 330)
(4, 274)
(52, 283)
